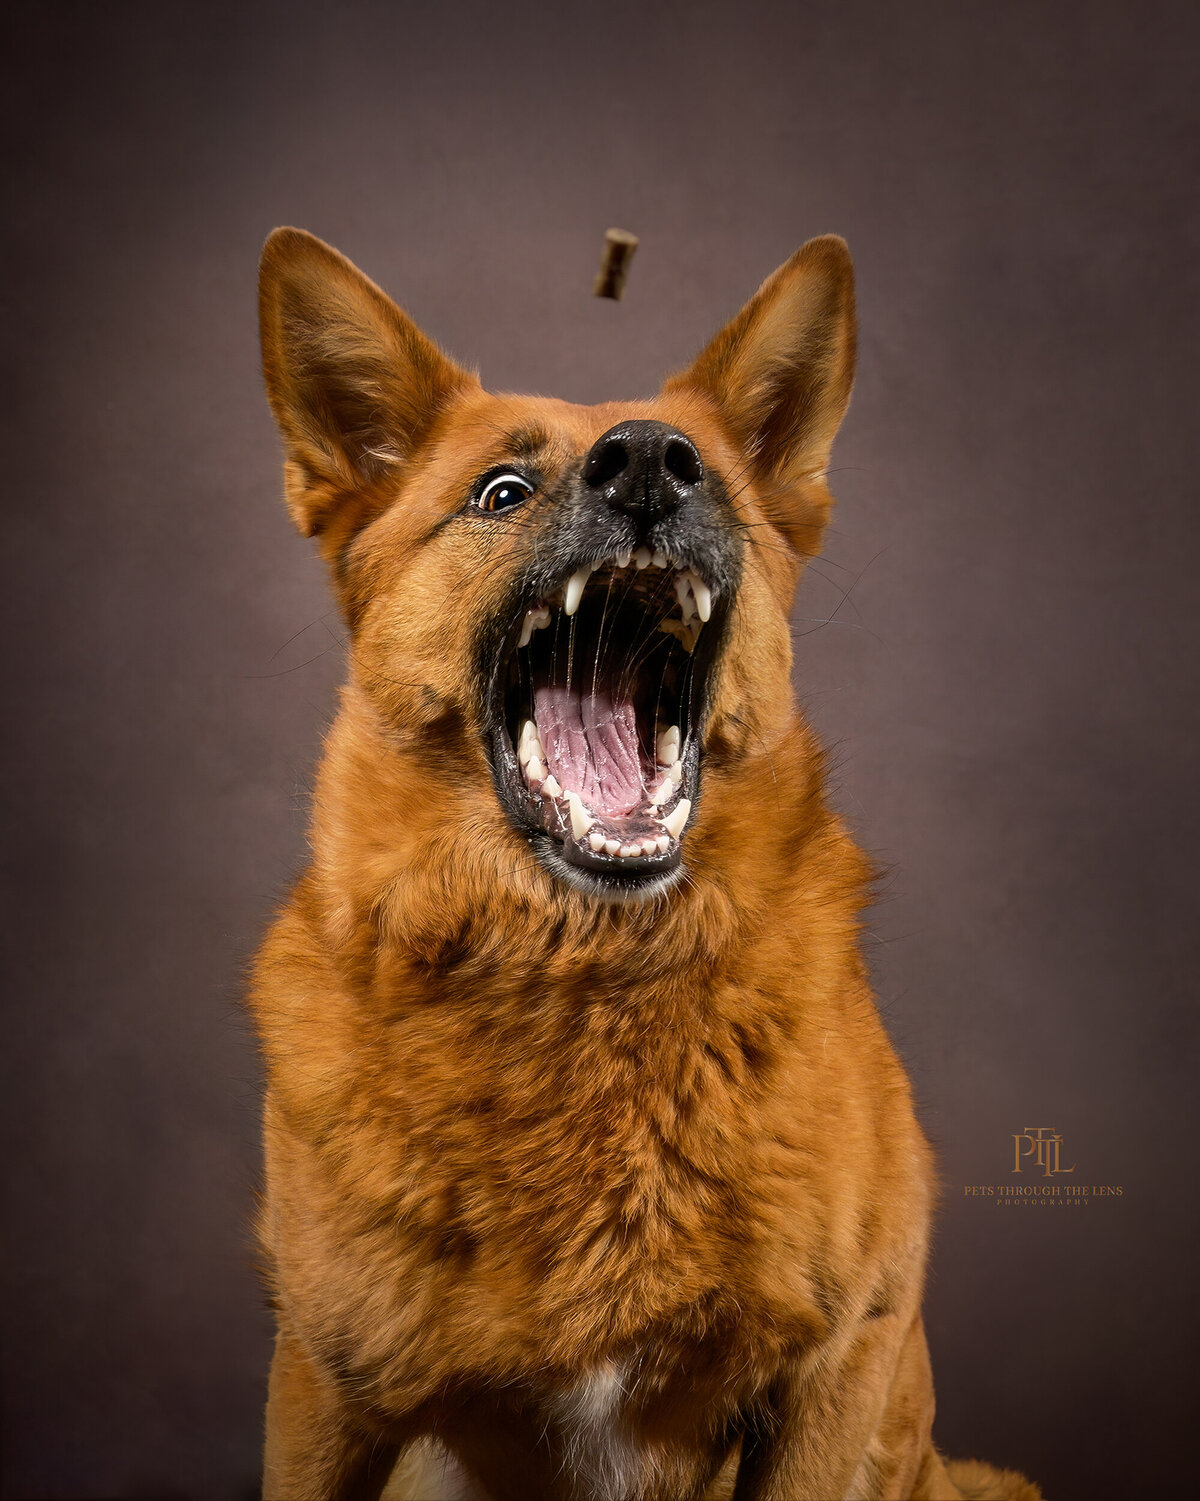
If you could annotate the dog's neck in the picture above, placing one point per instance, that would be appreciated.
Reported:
(433, 879)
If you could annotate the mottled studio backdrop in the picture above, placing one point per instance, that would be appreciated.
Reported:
(1000, 645)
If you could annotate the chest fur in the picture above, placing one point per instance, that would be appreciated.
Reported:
(507, 1174)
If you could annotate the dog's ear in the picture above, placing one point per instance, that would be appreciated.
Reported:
(781, 374)
(353, 383)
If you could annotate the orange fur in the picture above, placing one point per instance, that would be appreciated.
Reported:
(605, 1200)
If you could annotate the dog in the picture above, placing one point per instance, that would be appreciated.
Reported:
(591, 1174)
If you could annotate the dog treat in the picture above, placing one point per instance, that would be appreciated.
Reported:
(619, 246)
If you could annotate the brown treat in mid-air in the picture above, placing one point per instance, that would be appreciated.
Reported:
(619, 246)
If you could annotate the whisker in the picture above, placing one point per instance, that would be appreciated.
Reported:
(259, 677)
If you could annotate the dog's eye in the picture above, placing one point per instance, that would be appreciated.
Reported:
(502, 491)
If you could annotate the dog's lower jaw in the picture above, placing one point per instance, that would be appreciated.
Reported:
(600, 888)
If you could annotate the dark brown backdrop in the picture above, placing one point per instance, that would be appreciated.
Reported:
(999, 645)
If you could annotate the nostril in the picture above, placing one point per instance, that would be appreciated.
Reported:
(682, 460)
(606, 463)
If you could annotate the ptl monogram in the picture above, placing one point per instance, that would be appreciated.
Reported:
(1043, 1145)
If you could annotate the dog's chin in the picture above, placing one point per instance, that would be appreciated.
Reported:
(620, 889)
(597, 699)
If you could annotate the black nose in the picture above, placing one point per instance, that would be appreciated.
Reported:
(643, 468)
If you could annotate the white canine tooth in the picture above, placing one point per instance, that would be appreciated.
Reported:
(526, 630)
(581, 819)
(676, 818)
(660, 559)
(596, 840)
(622, 558)
(663, 843)
(534, 770)
(667, 745)
(643, 557)
(703, 597)
(611, 846)
(550, 787)
(675, 772)
(574, 590)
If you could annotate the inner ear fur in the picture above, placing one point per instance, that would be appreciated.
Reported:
(354, 384)
(780, 374)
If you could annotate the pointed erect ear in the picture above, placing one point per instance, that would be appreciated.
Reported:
(781, 374)
(353, 382)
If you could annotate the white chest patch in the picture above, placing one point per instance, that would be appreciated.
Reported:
(599, 1452)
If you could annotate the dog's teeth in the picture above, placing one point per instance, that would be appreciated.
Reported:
(643, 557)
(611, 846)
(529, 745)
(622, 559)
(703, 596)
(627, 851)
(660, 560)
(550, 787)
(596, 840)
(581, 819)
(574, 590)
(535, 771)
(663, 843)
(676, 818)
(683, 593)
(667, 745)
(675, 772)
(535, 620)
(662, 792)
(649, 846)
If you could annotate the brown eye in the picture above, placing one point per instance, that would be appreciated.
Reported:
(503, 491)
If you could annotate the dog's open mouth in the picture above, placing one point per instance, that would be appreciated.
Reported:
(601, 693)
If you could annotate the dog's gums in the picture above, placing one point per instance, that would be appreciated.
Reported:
(604, 691)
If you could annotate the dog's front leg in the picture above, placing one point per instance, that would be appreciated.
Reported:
(858, 1430)
(315, 1451)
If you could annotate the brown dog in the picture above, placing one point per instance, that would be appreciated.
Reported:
(590, 1170)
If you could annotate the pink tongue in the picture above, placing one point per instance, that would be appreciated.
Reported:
(591, 746)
